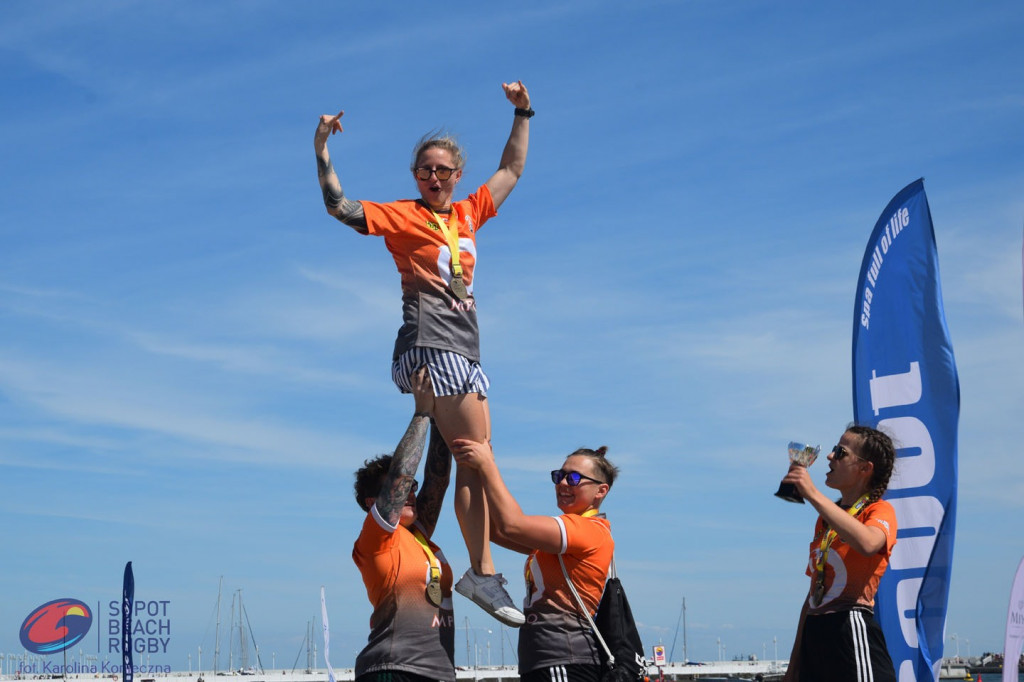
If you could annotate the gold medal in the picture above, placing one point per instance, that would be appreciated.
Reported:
(459, 287)
(819, 594)
(450, 230)
(434, 590)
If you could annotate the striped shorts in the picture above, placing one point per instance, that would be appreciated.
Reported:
(847, 646)
(450, 373)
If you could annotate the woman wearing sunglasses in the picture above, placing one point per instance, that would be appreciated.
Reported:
(837, 637)
(555, 643)
(433, 242)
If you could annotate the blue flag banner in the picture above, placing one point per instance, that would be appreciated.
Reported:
(905, 383)
(127, 600)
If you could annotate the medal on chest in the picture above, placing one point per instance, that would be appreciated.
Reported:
(828, 537)
(450, 231)
(433, 590)
(459, 287)
(819, 591)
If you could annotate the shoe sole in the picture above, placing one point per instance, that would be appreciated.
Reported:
(487, 607)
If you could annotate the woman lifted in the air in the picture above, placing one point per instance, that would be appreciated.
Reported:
(433, 242)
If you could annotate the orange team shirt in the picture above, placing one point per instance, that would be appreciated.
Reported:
(407, 631)
(554, 632)
(851, 579)
(432, 316)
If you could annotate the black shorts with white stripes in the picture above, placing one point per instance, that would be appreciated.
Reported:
(847, 646)
(576, 672)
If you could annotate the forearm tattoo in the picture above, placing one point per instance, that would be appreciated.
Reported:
(401, 475)
(338, 205)
(436, 473)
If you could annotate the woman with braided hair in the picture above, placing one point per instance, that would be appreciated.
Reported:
(837, 638)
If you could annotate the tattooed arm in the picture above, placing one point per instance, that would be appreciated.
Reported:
(337, 204)
(436, 473)
(399, 483)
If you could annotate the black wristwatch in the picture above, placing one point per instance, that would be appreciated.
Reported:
(525, 113)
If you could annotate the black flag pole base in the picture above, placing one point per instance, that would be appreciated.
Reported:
(789, 493)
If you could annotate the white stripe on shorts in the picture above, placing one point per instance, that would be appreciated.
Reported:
(559, 673)
(861, 647)
(450, 373)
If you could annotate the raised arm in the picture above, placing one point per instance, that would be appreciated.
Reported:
(394, 491)
(866, 540)
(436, 473)
(513, 158)
(337, 204)
(535, 532)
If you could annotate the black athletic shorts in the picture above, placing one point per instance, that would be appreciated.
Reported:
(393, 676)
(847, 646)
(576, 672)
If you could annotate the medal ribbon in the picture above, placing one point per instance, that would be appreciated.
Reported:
(451, 235)
(435, 565)
(829, 537)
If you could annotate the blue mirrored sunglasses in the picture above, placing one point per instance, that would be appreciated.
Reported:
(572, 478)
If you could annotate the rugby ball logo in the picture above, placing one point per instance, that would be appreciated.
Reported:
(56, 626)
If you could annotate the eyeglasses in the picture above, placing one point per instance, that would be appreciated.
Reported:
(839, 453)
(572, 478)
(442, 172)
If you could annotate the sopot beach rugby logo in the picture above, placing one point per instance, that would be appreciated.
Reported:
(56, 626)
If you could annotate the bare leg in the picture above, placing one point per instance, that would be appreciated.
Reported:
(468, 416)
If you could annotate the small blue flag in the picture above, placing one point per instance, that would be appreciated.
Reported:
(127, 601)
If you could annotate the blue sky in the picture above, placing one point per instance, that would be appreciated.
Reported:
(194, 357)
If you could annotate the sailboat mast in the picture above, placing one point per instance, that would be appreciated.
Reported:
(243, 650)
(309, 647)
(216, 637)
(682, 617)
(685, 658)
(231, 634)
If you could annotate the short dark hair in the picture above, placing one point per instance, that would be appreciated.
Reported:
(370, 477)
(609, 472)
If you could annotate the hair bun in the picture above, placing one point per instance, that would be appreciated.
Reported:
(600, 452)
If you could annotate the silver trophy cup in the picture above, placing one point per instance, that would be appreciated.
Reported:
(804, 455)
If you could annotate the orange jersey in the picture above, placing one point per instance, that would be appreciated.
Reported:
(432, 316)
(555, 632)
(407, 631)
(851, 578)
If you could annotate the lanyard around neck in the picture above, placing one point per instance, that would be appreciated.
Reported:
(451, 235)
(435, 565)
(830, 536)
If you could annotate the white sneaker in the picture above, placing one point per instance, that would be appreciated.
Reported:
(490, 595)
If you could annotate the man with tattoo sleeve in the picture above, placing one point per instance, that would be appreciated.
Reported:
(407, 579)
